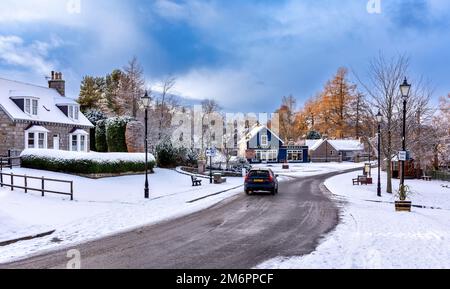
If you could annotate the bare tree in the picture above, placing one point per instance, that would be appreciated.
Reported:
(132, 87)
(384, 79)
(422, 137)
(288, 116)
(166, 86)
(209, 107)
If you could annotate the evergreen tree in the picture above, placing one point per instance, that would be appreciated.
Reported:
(91, 91)
(111, 101)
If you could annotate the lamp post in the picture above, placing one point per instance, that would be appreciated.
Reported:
(379, 120)
(146, 102)
(405, 88)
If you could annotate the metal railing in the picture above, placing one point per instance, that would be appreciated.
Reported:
(26, 187)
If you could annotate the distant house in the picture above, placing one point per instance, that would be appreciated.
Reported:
(39, 117)
(261, 145)
(335, 150)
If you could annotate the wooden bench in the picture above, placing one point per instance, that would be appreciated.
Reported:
(427, 178)
(196, 182)
(362, 180)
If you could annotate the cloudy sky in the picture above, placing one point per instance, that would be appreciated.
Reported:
(244, 53)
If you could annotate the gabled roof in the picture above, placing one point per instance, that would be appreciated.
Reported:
(339, 145)
(346, 145)
(313, 144)
(255, 130)
(48, 99)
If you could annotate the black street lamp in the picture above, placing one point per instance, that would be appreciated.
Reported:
(379, 120)
(146, 102)
(405, 88)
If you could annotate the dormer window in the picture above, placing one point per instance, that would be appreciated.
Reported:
(73, 111)
(31, 106)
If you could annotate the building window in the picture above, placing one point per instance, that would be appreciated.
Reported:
(31, 106)
(294, 155)
(30, 142)
(34, 110)
(78, 141)
(264, 140)
(41, 140)
(28, 106)
(36, 138)
(73, 112)
(74, 143)
(82, 143)
(266, 156)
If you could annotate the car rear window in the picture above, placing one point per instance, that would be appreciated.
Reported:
(260, 174)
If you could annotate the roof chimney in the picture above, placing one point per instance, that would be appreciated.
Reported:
(58, 83)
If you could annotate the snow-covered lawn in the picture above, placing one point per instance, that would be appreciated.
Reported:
(101, 207)
(372, 235)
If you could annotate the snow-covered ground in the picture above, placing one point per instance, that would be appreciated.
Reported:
(310, 169)
(101, 207)
(372, 235)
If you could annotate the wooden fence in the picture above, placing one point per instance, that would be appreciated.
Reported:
(27, 188)
(9, 162)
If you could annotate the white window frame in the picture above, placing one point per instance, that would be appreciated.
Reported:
(264, 140)
(36, 134)
(80, 147)
(31, 106)
(34, 107)
(73, 112)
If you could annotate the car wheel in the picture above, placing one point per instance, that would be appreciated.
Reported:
(248, 192)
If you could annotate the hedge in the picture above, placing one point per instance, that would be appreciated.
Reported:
(100, 137)
(86, 166)
(115, 134)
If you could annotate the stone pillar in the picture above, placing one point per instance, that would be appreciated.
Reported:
(134, 136)
(201, 166)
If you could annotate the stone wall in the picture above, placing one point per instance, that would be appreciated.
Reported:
(12, 135)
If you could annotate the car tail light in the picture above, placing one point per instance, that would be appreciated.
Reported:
(270, 179)
(246, 178)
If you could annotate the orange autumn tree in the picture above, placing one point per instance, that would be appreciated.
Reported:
(331, 112)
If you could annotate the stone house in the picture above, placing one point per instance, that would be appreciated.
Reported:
(37, 117)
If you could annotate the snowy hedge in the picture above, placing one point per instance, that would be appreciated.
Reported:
(115, 133)
(85, 163)
(94, 116)
(100, 137)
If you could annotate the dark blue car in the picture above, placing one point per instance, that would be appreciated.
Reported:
(261, 180)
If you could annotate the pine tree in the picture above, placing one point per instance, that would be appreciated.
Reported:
(91, 91)
(111, 99)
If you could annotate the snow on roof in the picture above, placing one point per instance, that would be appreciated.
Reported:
(254, 131)
(37, 128)
(313, 144)
(48, 98)
(347, 145)
(79, 131)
